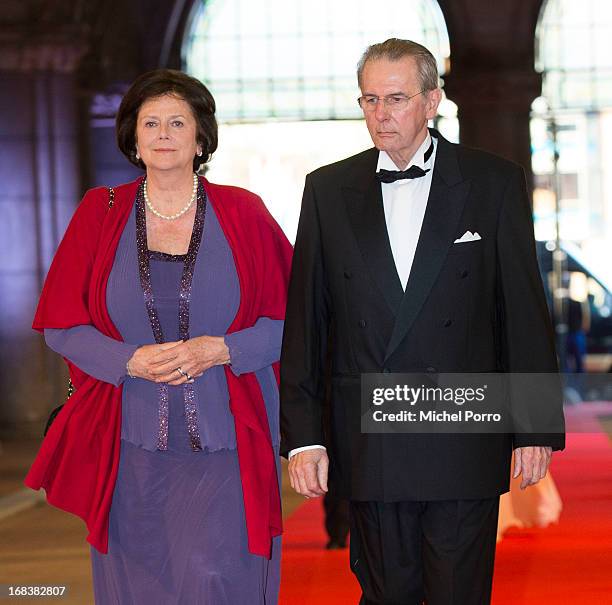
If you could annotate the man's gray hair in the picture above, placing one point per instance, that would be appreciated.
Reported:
(395, 49)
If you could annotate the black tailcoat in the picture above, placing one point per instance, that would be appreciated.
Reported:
(470, 307)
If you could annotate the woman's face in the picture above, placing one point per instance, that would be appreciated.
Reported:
(166, 134)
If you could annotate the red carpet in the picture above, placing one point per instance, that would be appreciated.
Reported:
(570, 563)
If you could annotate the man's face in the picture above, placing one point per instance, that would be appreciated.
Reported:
(399, 132)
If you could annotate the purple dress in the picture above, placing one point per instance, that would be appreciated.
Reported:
(177, 531)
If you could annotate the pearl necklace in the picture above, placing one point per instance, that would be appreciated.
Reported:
(180, 212)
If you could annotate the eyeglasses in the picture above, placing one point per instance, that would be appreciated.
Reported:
(399, 101)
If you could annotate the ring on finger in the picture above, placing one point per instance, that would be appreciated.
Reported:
(180, 371)
(188, 376)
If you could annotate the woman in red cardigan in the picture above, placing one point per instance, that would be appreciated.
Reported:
(166, 297)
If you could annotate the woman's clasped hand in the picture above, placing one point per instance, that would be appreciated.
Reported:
(178, 362)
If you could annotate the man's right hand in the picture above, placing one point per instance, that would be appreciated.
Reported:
(308, 472)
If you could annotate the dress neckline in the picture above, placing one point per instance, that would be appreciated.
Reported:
(164, 256)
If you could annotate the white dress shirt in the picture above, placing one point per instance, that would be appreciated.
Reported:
(404, 204)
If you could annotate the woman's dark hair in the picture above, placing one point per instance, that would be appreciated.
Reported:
(168, 82)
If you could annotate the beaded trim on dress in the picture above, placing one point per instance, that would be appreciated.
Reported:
(144, 269)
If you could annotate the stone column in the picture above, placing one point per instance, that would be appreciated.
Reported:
(494, 109)
(39, 170)
(492, 77)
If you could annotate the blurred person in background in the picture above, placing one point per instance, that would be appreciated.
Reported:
(578, 326)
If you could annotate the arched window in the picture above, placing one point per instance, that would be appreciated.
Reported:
(574, 115)
(283, 76)
(296, 60)
(573, 51)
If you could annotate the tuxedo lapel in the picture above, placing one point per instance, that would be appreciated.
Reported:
(444, 207)
(364, 206)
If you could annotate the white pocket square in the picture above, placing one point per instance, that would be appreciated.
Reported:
(468, 236)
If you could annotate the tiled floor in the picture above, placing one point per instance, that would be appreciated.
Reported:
(15, 458)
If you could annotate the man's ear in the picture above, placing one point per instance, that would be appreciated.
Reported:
(433, 100)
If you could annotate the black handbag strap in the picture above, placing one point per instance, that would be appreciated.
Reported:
(111, 202)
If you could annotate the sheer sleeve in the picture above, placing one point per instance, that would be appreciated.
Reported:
(98, 355)
(256, 347)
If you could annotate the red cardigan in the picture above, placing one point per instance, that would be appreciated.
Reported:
(78, 460)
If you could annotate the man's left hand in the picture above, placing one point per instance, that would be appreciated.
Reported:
(532, 462)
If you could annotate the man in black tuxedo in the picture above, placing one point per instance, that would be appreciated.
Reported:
(417, 255)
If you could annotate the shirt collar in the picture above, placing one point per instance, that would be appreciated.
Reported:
(386, 163)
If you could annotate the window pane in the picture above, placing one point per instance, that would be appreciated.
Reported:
(299, 56)
(574, 52)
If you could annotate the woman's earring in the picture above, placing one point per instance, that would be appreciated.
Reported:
(137, 155)
(199, 153)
